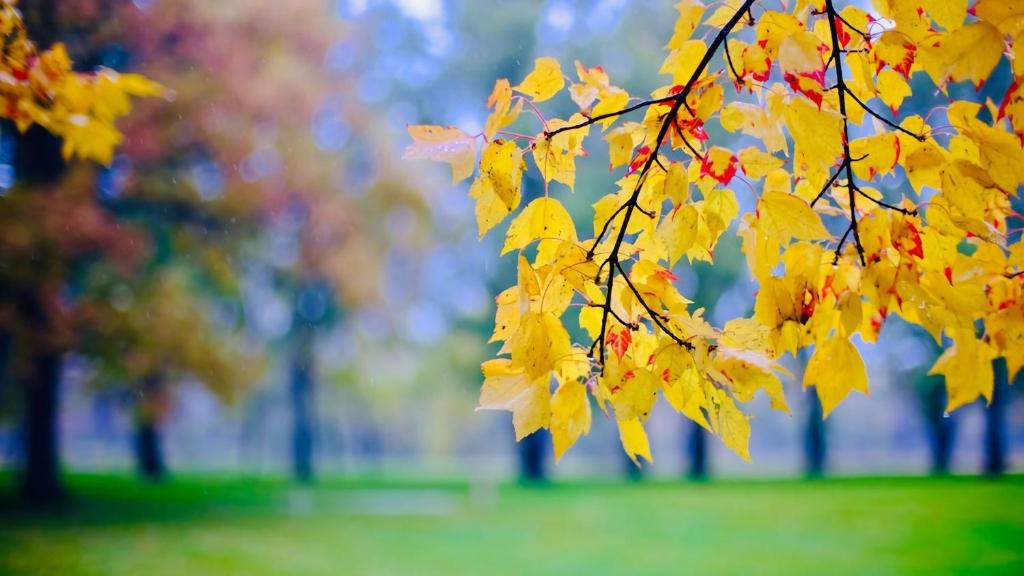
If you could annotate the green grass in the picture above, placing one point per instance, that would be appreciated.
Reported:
(196, 526)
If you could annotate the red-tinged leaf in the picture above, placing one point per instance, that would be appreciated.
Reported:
(619, 341)
(719, 164)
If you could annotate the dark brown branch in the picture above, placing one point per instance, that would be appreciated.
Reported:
(846, 23)
(839, 247)
(828, 185)
(728, 58)
(885, 204)
(884, 120)
(686, 142)
(843, 91)
(617, 113)
(631, 325)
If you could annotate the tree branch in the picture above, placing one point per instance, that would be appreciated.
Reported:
(837, 60)
(886, 121)
(678, 100)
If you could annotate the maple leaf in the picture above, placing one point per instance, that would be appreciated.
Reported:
(835, 370)
(544, 218)
(570, 416)
(443, 144)
(511, 389)
(544, 82)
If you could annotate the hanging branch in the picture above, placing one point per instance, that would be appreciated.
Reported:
(669, 121)
(614, 265)
(846, 165)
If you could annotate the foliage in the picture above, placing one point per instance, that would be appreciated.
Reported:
(41, 88)
(816, 90)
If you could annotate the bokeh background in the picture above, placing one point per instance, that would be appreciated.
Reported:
(259, 316)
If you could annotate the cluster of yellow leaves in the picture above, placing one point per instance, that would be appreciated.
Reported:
(41, 88)
(943, 256)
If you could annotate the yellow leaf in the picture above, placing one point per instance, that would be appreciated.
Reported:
(892, 89)
(441, 144)
(502, 164)
(678, 231)
(544, 82)
(835, 369)
(785, 216)
(508, 388)
(541, 219)
(949, 14)
(490, 208)
(799, 53)
(570, 416)
(690, 13)
(682, 62)
(634, 440)
(503, 113)
(732, 426)
(876, 155)
(757, 163)
(506, 318)
(540, 343)
(681, 383)
(746, 334)
(816, 133)
(973, 52)
(967, 366)
(1007, 16)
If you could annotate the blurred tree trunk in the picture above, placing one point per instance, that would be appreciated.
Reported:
(941, 427)
(302, 393)
(697, 449)
(149, 454)
(37, 161)
(633, 472)
(995, 422)
(533, 457)
(40, 482)
(814, 437)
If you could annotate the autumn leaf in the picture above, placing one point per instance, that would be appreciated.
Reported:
(634, 440)
(835, 369)
(511, 389)
(570, 416)
(449, 145)
(544, 218)
(544, 82)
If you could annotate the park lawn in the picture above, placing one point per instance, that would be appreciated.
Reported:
(196, 526)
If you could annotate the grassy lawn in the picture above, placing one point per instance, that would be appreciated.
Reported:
(196, 526)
